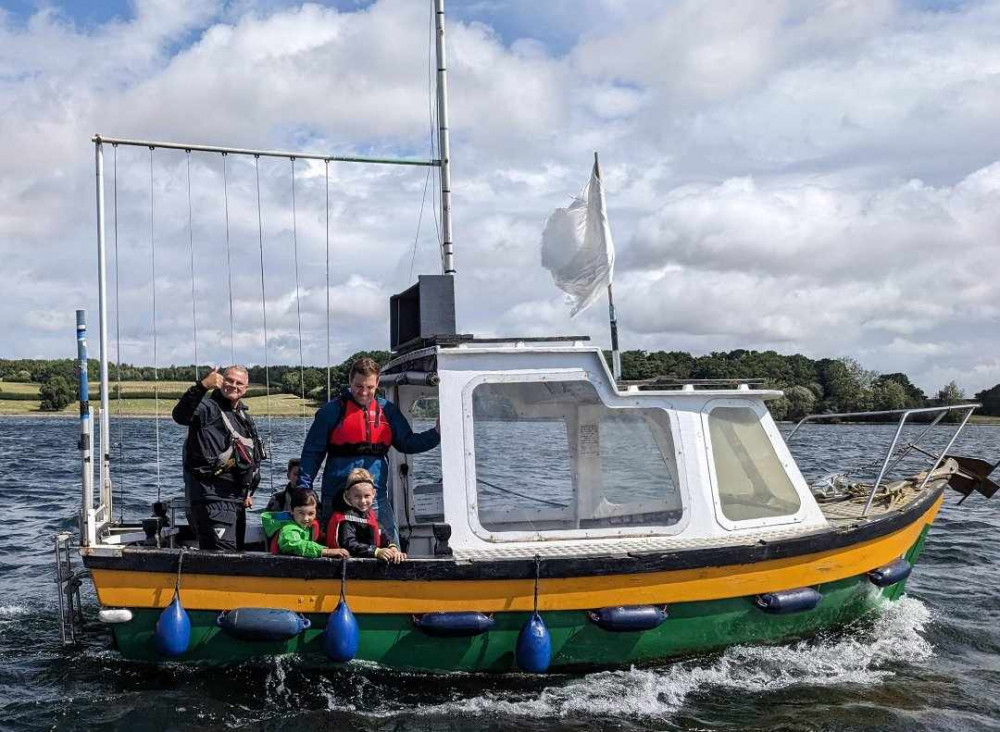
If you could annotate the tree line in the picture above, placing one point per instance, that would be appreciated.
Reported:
(810, 386)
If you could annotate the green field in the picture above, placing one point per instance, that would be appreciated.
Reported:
(281, 405)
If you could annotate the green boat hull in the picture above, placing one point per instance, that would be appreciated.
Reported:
(393, 641)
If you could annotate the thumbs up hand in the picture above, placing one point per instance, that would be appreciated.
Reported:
(213, 379)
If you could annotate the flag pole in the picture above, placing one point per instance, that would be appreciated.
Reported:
(616, 356)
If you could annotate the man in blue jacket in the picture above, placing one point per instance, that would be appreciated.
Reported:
(356, 430)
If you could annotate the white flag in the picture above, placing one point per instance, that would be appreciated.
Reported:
(577, 248)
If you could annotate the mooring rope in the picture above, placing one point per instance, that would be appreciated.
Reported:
(538, 572)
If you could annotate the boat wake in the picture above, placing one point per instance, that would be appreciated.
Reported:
(865, 653)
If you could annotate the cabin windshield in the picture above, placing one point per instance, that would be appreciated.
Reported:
(551, 456)
(752, 482)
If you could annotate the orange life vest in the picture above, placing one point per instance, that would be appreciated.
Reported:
(340, 517)
(361, 430)
(314, 535)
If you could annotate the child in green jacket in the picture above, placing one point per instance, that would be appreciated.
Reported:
(297, 532)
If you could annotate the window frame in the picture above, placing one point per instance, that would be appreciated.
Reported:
(781, 453)
(520, 535)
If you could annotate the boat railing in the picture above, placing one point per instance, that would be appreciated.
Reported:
(660, 382)
(891, 455)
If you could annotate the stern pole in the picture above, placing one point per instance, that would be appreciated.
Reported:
(447, 251)
(86, 437)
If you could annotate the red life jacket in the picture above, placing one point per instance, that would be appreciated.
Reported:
(340, 517)
(361, 430)
(314, 535)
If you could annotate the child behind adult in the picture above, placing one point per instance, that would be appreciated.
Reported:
(296, 532)
(354, 526)
(282, 500)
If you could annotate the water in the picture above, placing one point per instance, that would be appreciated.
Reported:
(931, 661)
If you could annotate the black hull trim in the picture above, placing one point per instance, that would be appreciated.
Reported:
(142, 559)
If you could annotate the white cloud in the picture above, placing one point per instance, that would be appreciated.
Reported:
(818, 177)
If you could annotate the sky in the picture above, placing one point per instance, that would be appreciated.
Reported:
(810, 177)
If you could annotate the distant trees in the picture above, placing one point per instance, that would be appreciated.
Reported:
(990, 399)
(810, 386)
(56, 394)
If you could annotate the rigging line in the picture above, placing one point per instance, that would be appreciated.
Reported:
(327, 280)
(118, 351)
(423, 199)
(229, 266)
(156, 372)
(194, 307)
(263, 305)
(520, 495)
(298, 303)
(420, 218)
(432, 116)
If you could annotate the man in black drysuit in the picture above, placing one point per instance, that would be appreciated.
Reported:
(222, 456)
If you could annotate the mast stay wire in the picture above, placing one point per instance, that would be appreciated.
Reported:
(430, 107)
(194, 299)
(156, 372)
(298, 304)
(118, 354)
(432, 113)
(263, 305)
(229, 265)
(327, 176)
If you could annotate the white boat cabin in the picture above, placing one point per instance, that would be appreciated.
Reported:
(542, 453)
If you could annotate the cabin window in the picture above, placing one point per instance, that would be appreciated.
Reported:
(752, 482)
(551, 456)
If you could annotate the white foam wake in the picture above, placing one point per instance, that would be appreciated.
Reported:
(863, 654)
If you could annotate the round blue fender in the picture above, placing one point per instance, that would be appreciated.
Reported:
(891, 573)
(789, 601)
(453, 625)
(262, 624)
(534, 646)
(173, 629)
(342, 636)
(627, 618)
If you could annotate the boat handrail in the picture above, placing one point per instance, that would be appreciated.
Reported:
(708, 383)
(878, 413)
(968, 408)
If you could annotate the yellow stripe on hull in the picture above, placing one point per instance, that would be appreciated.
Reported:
(129, 588)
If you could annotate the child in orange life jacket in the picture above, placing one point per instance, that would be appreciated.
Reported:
(297, 532)
(354, 526)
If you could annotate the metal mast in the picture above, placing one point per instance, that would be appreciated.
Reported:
(447, 253)
(104, 511)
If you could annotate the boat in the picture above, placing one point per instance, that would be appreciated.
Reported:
(569, 521)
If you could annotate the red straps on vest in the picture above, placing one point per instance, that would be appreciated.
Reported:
(314, 535)
(333, 528)
(361, 430)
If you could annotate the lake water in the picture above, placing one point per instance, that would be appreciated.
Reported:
(928, 662)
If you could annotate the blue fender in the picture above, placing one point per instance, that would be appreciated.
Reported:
(342, 636)
(627, 618)
(891, 573)
(173, 629)
(789, 601)
(453, 625)
(262, 624)
(534, 646)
